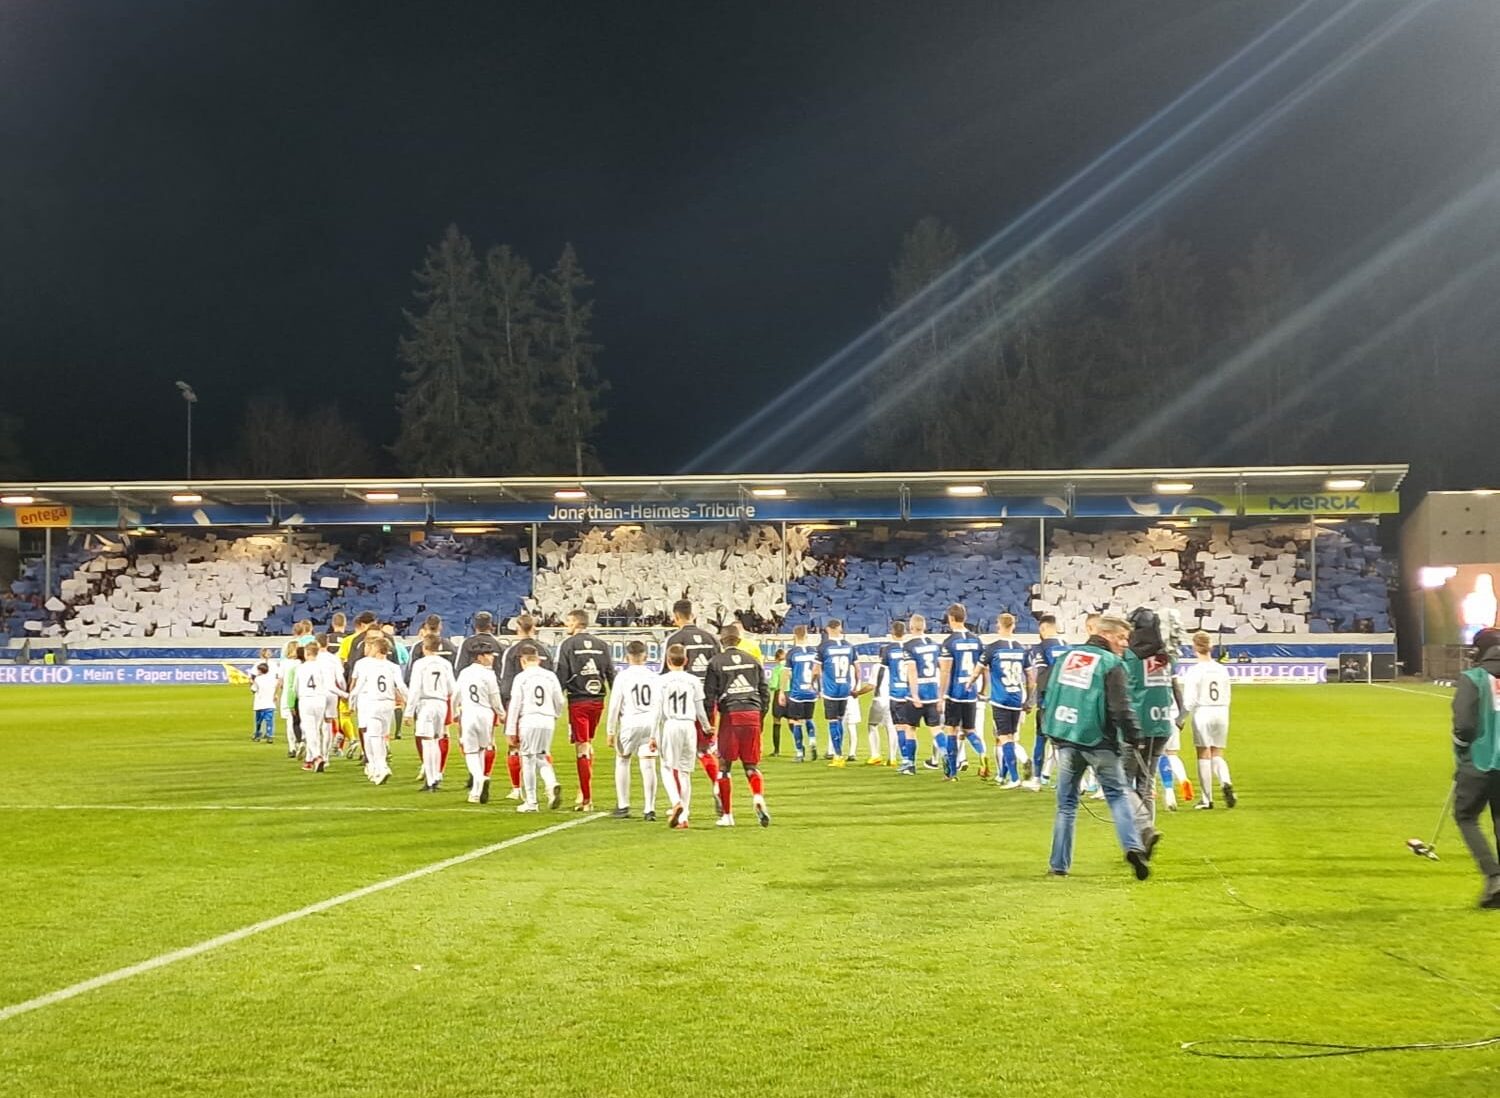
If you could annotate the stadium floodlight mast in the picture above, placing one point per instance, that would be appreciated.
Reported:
(191, 398)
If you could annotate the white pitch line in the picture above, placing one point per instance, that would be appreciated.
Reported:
(161, 961)
(226, 808)
(1435, 692)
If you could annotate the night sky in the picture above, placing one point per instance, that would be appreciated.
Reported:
(236, 194)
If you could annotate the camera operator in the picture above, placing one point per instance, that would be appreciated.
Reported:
(1476, 743)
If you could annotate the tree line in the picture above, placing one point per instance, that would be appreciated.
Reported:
(1020, 368)
(499, 377)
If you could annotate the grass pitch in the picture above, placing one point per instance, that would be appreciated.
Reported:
(884, 936)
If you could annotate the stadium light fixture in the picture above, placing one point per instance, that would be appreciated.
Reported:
(17, 501)
(1484, 491)
(985, 525)
(570, 494)
(1432, 578)
(768, 493)
(1344, 484)
(473, 530)
(186, 497)
(382, 497)
(1172, 487)
(966, 489)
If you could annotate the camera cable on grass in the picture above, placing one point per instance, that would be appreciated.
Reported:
(1269, 1048)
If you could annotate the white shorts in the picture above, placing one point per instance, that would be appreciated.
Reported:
(1211, 726)
(535, 735)
(431, 720)
(880, 712)
(679, 745)
(635, 739)
(377, 720)
(476, 731)
(1174, 741)
(312, 709)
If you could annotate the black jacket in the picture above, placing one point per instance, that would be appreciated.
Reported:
(1466, 700)
(700, 646)
(585, 667)
(1119, 712)
(510, 663)
(471, 644)
(736, 683)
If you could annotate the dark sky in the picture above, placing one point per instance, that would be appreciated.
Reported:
(236, 194)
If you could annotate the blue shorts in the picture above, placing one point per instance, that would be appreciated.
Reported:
(962, 715)
(915, 713)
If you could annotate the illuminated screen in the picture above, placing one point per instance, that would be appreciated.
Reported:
(1459, 601)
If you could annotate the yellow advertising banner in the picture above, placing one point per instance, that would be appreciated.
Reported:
(1326, 503)
(44, 515)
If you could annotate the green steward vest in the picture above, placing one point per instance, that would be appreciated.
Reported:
(1484, 752)
(1151, 693)
(1076, 709)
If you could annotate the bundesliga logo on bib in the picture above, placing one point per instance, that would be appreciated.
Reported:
(1078, 669)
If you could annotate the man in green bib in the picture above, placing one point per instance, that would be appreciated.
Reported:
(1476, 743)
(1150, 668)
(1088, 716)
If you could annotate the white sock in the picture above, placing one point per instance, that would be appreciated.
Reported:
(475, 762)
(1221, 768)
(622, 781)
(873, 732)
(1179, 772)
(529, 766)
(893, 739)
(1169, 795)
(549, 776)
(1206, 779)
(648, 785)
(669, 782)
(431, 756)
(963, 748)
(999, 759)
(680, 788)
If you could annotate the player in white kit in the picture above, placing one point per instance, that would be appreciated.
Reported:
(682, 713)
(631, 723)
(429, 705)
(375, 691)
(536, 699)
(318, 692)
(1205, 696)
(479, 711)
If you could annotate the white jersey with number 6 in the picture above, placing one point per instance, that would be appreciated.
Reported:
(1205, 695)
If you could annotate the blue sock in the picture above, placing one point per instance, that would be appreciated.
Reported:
(1038, 755)
(1165, 770)
(977, 744)
(836, 734)
(1008, 761)
(909, 748)
(797, 736)
(948, 745)
(901, 744)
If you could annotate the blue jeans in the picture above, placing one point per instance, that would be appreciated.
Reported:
(265, 724)
(1072, 761)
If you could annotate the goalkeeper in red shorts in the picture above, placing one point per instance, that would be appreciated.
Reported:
(735, 686)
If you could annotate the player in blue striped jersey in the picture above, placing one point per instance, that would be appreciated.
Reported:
(961, 657)
(836, 678)
(897, 666)
(924, 680)
(802, 692)
(1003, 670)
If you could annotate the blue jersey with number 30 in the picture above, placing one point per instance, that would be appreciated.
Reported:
(924, 653)
(1005, 660)
(837, 658)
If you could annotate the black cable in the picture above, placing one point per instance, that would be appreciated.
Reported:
(1243, 1048)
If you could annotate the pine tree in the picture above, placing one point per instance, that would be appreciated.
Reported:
(575, 386)
(444, 412)
(904, 433)
(510, 332)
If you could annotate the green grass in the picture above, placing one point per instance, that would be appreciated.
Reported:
(885, 936)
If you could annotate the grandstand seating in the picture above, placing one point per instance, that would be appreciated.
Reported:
(1240, 581)
(866, 578)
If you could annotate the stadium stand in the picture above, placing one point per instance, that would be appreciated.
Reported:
(1238, 581)
(631, 575)
(1244, 581)
(866, 578)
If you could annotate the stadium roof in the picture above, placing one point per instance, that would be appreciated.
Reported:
(1067, 483)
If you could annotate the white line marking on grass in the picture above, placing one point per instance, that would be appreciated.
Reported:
(63, 994)
(225, 808)
(1434, 692)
